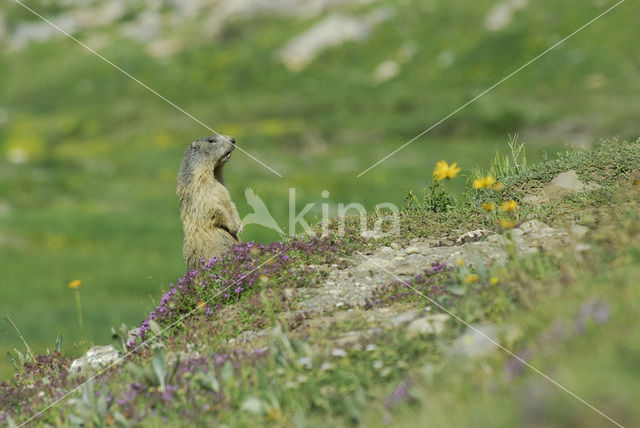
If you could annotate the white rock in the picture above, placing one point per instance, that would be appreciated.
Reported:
(501, 14)
(395, 246)
(95, 358)
(340, 353)
(306, 362)
(386, 70)
(411, 250)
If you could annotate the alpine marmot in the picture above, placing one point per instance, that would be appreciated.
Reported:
(210, 220)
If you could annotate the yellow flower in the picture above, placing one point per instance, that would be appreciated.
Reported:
(75, 283)
(461, 262)
(498, 187)
(507, 224)
(200, 304)
(494, 280)
(489, 206)
(509, 206)
(471, 278)
(483, 182)
(444, 170)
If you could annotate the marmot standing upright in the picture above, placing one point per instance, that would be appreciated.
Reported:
(210, 220)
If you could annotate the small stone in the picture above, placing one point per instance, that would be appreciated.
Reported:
(306, 362)
(411, 250)
(370, 234)
(340, 353)
(386, 71)
(395, 246)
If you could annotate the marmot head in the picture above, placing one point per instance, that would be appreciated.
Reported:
(210, 153)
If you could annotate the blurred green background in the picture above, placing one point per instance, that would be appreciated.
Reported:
(88, 157)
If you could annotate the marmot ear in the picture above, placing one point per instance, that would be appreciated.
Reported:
(195, 147)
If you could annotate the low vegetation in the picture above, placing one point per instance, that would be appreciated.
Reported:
(568, 311)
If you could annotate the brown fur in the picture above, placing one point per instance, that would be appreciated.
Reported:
(210, 220)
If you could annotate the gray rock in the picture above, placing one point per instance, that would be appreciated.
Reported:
(430, 324)
(331, 31)
(579, 232)
(563, 184)
(569, 180)
(532, 226)
(95, 358)
(403, 318)
(375, 264)
(411, 250)
(40, 31)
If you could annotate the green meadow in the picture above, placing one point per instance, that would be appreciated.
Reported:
(94, 200)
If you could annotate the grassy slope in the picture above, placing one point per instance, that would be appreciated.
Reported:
(403, 379)
(97, 201)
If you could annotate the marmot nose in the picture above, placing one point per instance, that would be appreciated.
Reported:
(232, 140)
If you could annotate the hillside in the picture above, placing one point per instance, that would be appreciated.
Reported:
(512, 304)
(88, 157)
